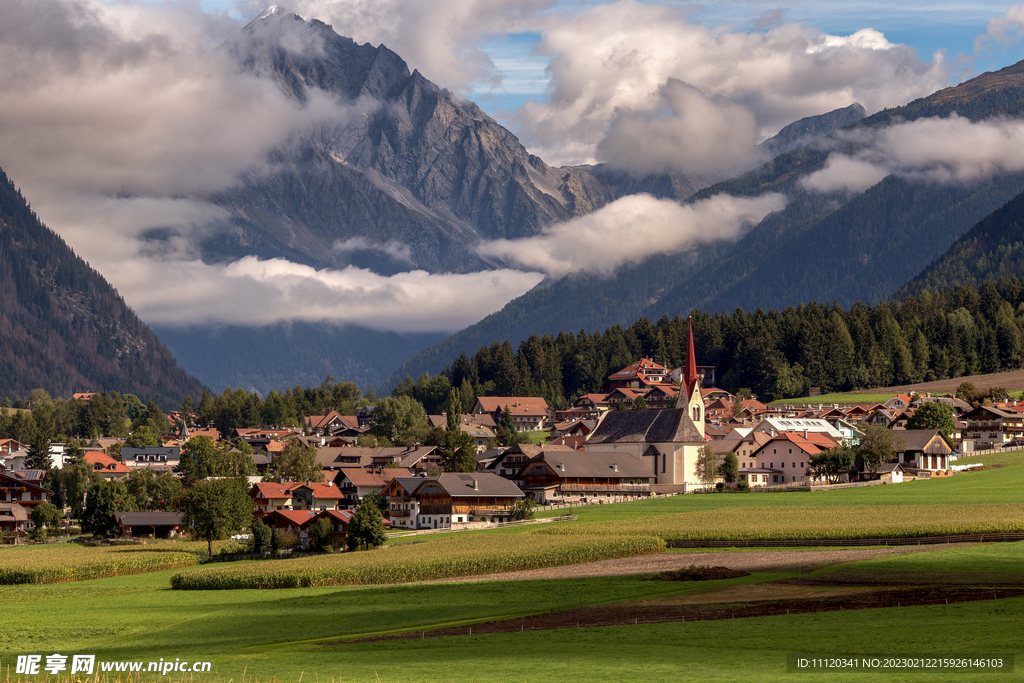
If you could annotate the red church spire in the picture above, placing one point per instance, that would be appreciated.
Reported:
(690, 378)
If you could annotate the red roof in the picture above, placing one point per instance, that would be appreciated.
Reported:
(517, 405)
(106, 463)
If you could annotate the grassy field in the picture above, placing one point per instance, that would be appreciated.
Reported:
(1003, 458)
(294, 634)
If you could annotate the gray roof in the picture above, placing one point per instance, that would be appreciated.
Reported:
(129, 453)
(594, 464)
(647, 426)
(148, 518)
(486, 484)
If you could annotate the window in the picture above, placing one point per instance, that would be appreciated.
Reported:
(791, 451)
(801, 463)
(794, 465)
(764, 478)
(771, 466)
(743, 477)
(775, 479)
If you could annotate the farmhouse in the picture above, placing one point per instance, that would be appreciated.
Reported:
(155, 524)
(924, 449)
(575, 476)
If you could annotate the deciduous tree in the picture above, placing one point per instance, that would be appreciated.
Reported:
(366, 527)
(216, 508)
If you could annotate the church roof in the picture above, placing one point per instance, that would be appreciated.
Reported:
(647, 426)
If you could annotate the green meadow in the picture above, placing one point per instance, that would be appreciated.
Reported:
(847, 398)
(293, 634)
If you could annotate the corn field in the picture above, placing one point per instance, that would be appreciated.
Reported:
(445, 558)
(70, 562)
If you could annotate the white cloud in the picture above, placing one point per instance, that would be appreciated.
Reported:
(613, 62)
(1005, 29)
(844, 173)
(949, 150)
(258, 292)
(631, 229)
(392, 248)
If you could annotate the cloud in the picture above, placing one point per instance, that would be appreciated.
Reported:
(632, 229)
(129, 99)
(392, 248)
(689, 131)
(846, 174)
(613, 63)
(1004, 30)
(948, 150)
(441, 38)
(260, 292)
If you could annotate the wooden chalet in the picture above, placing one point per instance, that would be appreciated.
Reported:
(356, 482)
(415, 458)
(14, 489)
(453, 498)
(269, 497)
(576, 476)
(403, 506)
(14, 521)
(924, 450)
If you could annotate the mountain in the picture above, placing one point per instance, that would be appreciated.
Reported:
(64, 328)
(811, 129)
(823, 247)
(992, 249)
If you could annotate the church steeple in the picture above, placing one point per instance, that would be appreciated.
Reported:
(690, 377)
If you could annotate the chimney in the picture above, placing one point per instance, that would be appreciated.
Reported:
(475, 486)
(615, 467)
(561, 466)
(309, 482)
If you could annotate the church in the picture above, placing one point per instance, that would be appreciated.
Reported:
(667, 440)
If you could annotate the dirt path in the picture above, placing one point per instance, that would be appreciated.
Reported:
(751, 561)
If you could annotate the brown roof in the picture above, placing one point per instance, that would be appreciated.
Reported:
(358, 456)
(918, 439)
(148, 518)
(647, 426)
(477, 484)
(14, 510)
(517, 405)
(593, 464)
(360, 476)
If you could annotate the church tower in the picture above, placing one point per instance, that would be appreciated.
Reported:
(690, 397)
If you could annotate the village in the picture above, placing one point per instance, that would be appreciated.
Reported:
(651, 431)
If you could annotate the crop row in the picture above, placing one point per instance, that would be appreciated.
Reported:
(69, 562)
(439, 559)
(812, 522)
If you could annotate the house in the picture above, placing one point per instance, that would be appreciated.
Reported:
(14, 489)
(639, 376)
(105, 466)
(268, 497)
(155, 524)
(899, 402)
(356, 482)
(889, 472)
(510, 462)
(785, 457)
(667, 441)
(166, 458)
(415, 458)
(559, 476)
(14, 521)
(592, 406)
(529, 414)
(455, 498)
(10, 446)
(404, 508)
(924, 449)
(480, 427)
(991, 426)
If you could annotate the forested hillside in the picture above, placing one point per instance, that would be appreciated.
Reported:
(994, 248)
(776, 354)
(64, 328)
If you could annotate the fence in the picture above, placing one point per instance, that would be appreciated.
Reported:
(923, 540)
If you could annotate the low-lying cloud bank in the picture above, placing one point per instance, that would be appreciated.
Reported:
(632, 229)
(949, 150)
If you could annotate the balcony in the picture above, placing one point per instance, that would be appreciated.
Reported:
(605, 487)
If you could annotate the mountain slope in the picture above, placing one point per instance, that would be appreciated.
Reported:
(821, 247)
(992, 249)
(66, 329)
